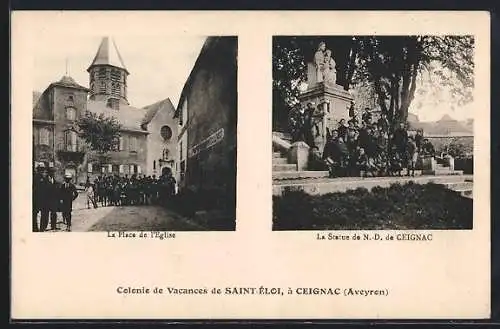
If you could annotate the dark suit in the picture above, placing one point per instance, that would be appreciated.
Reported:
(42, 188)
(68, 194)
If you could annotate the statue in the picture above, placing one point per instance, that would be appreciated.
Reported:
(319, 61)
(329, 71)
(325, 65)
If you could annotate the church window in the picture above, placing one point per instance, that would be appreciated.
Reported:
(44, 136)
(115, 75)
(166, 132)
(71, 113)
(102, 86)
(101, 73)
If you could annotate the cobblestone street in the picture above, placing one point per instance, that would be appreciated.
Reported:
(127, 218)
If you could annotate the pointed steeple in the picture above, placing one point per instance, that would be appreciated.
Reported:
(108, 74)
(108, 54)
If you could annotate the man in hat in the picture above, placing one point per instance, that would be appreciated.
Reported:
(38, 180)
(41, 198)
(68, 195)
(53, 197)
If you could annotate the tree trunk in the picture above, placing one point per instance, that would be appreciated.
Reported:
(351, 65)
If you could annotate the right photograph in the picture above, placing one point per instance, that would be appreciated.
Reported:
(373, 132)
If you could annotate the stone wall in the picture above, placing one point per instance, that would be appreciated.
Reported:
(212, 121)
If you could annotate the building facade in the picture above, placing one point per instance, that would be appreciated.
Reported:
(56, 111)
(207, 122)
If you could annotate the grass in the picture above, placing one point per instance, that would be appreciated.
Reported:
(399, 207)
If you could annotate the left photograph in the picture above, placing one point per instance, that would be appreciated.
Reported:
(134, 133)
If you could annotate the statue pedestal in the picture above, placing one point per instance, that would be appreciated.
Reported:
(428, 165)
(335, 103)
(299, 154)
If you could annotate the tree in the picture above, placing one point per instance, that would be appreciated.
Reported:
(392, 66)
(395, 64)
(101, 133)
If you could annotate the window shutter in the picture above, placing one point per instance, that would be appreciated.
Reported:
(120, 169)
(110, 168)
(89, 167)
(131, 169)
(139, 170)
(121, 143)
(103, 169)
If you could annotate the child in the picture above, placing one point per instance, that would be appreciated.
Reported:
(90, 195)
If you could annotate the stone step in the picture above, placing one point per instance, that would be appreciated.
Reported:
(279, 161)
(284, 167)
(442, 171)
(276, 155)
(332, 185)
(291, 175)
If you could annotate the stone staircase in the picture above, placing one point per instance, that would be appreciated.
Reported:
(286, 176)
(441, 169)
(282, 170)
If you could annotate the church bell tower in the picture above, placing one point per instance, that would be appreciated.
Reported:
(108, 75)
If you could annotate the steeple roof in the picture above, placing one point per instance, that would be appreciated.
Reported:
(108, 54)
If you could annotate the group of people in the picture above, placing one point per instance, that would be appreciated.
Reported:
(372, 148)
(361, 147)
(51, 197)
(113, 190)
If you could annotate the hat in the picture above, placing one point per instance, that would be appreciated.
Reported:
(68, 175)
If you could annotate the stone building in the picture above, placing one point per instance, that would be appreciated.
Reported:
(207, 114)
(146, 138)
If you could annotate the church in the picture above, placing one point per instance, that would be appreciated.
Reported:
(148, 136)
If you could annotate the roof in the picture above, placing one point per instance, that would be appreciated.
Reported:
(128, 116)
(68, 82)
(152, 109)
(108, 54)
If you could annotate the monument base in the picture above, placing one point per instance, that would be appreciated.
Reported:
(332, 104)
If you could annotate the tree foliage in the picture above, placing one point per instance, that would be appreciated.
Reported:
(100, 132)
(390, 69)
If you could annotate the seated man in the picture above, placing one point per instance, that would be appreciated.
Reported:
(365, 164)
(396, 164)
(331, 155)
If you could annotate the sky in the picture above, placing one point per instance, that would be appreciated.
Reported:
(158, 66)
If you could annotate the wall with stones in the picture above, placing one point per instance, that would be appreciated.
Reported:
(212, 121)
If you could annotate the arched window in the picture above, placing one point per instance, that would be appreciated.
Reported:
(71, 113)
(44, 136)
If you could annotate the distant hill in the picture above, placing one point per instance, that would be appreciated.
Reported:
(446, 126)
